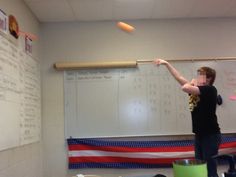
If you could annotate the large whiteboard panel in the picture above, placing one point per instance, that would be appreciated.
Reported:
(141, 101)
(20, 103)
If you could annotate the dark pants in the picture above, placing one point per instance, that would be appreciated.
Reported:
(205, 147)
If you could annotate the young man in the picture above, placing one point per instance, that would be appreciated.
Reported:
(202, 104)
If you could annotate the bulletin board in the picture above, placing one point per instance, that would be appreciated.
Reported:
(142, 101)
(20, 99)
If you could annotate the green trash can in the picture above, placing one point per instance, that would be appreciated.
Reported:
(189, 168)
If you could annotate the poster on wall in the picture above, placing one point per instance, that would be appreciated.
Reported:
(3, 22)
(28, 45)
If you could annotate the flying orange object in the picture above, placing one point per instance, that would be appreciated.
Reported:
(126, 27)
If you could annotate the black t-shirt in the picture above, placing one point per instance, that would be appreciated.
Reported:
(204, 119)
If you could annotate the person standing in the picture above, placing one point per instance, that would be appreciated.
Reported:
(202, 104)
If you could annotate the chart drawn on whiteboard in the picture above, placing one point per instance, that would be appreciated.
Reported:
(20, 102)
(143, 101)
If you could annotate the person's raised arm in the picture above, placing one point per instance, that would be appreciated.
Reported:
(172, 70)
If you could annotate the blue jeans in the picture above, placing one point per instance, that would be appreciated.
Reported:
(207, 146)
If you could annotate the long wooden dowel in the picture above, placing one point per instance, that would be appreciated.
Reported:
(190, 59)
(125, 64)
(94, 65)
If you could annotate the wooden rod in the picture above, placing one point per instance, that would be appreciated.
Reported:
(94, 65)
(190, 59)
(125, 64)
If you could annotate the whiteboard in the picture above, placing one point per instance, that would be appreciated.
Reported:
(20, 102)
(143, 101)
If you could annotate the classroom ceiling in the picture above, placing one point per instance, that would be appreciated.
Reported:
(101, 10)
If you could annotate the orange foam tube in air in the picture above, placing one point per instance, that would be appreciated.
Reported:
(126, 27)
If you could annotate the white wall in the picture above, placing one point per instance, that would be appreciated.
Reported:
(23, 161)
(104, 41)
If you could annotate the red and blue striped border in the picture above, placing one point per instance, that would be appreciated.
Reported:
(98, 153)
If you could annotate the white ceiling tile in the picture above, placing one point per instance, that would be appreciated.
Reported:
(52, 10)
(210, 8)
(172, 9)
(91, 10)
(40, 0)
(97, 10)
(27, 1)
(232, 9)
(132, 9)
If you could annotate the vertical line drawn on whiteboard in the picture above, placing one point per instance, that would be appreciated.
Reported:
(118, 97)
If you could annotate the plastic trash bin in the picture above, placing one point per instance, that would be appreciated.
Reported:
(189, 168)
